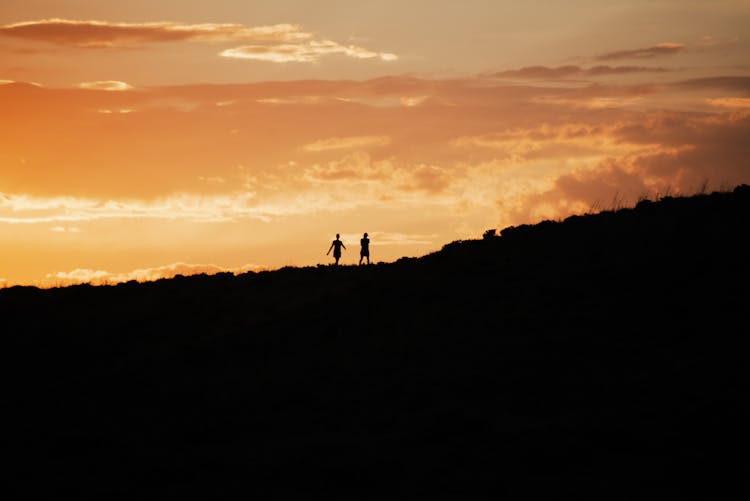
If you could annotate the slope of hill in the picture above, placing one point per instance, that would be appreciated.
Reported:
(601, 357)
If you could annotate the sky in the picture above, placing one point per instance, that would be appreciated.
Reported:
(143, 139)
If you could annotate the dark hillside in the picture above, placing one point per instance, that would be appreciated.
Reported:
(601, 357)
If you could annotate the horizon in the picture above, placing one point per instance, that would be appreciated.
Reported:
(185, 270)
(146, 140)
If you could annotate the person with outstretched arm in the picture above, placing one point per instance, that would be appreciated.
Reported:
(336, 245)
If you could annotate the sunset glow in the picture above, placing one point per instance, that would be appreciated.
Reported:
(145, 139)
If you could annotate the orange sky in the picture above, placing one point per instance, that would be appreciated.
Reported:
(144, 139)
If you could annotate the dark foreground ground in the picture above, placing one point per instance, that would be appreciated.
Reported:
(604, 357)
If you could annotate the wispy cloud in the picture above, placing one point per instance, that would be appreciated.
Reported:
(297, 197)
(560, 72)
(101, 277)
(341, 143)
(571, 141)
(662, 49)
(715, 41)
(21, 209)
(291, 100)
(730, 102)
(385, 239)
(99, 34)
(280, 43)
(66, 229)
(382, 176)
(412, 101)
(591, 103)
(121, 111)
(357, 165)
(108, 85)
(307, 52)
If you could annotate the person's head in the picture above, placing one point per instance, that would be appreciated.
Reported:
(337, 236)
(365, 235)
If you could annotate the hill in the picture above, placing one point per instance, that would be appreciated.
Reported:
(601, 357)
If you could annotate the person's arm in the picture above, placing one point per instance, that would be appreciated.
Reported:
(329, 249)
(342, 245)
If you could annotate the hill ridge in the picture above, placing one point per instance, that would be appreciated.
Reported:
(601, 357)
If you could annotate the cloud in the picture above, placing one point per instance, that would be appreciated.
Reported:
(101, 34)
(341, 143)
(26, 209)
(540, 72)
(592, 103)
(108, 85)
(101, 277)
(560, 72)
(714, 41)
(63, 229)
(411, 101)
(662, 49)
(340, 151)
(382, 177)
(121, 111)
(306, 52)
(292, 100)
(730, 83)
(280, 43)
(357, 165)
(665, 152)
(570, 141)
(621, 70)
(285, 197)
(730, 102)
(429, 178)
(692, 148)
(386, 239)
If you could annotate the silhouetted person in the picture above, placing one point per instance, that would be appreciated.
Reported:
(336, 245)
(364, 242)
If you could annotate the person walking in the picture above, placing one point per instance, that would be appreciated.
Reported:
(364, 251)
(336, 245)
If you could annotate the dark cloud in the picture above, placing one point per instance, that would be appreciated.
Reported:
(92, 34)
(688, 150)
(665, 152)
(544, 72)
(540, 72)
(727, 83)
(710, 149)
(621, 70)
(609, 180)
(662, 49)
